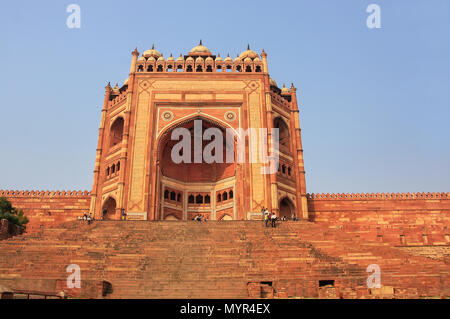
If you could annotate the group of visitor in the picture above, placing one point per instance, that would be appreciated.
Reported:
(86, 218)
(269, 216)
(200, 218)
(272, 217)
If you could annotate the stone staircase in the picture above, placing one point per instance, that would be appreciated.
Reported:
(236, 259)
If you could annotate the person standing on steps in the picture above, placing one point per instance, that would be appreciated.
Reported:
(266, 218)
(273, 218)
(89, 218)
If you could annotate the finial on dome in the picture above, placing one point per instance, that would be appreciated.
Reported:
(248, 46)
(201, 42)
(218, 54)
(135, 52)
(153, 46)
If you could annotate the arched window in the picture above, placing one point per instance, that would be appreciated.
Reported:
(140, 68)
(173, 196)
(289, 171)
(199, 199)
(209, 68)
(150, 68)
(191, 199)
(189, 68)
(166, 194)
(113, 168)
(283, 169)
(248, 68)
(118, 166)
(219, 198)
(207, 199)
(116, 132)
(231, 194)
(283, 132)
(225, 196)
(258, 69)
(219, 68)
(179, 197)
(199, 69)
(160, 68)
(107, 171)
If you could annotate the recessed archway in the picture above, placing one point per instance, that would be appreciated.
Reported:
(191, 173)
(287, 208)
(109, 209)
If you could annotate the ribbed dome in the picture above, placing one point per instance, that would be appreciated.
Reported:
(200, 50)
(170, 59)
(180, 58)
(228, 59)
(248, 54)
(219, 59)
(152, 53)
(160, 59)
(209, 59)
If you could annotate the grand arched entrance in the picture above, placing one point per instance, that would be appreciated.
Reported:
(109, 209)
(287, 208)
(196, 177)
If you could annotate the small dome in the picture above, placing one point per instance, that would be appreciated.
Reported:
(256, 60)
(160, 59)
(141, 58)
(228, 59)
(151, 59)
(248, 54)
(170, 59)
(247, 59)
(219, 59)
(209, 59)
(180, 58)
(199, 60)
(190, 59)
(285, 90)
(152, 53)
(238, 60)
(200, 50)
(272, 82)
(116, 88)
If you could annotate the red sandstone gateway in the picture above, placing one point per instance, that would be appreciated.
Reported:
(326, 254)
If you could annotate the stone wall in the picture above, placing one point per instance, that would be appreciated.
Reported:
(47, 208)
(420, 219)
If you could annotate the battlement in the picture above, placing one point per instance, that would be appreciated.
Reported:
(41, 193)
(378, 196)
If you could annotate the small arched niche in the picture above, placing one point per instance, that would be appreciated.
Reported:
(116, 132)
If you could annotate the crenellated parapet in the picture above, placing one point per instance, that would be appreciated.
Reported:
(42, 193)
(378, 196)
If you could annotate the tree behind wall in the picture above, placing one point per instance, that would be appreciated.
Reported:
(11, 214)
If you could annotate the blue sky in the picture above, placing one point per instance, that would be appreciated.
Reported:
(375, 103)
